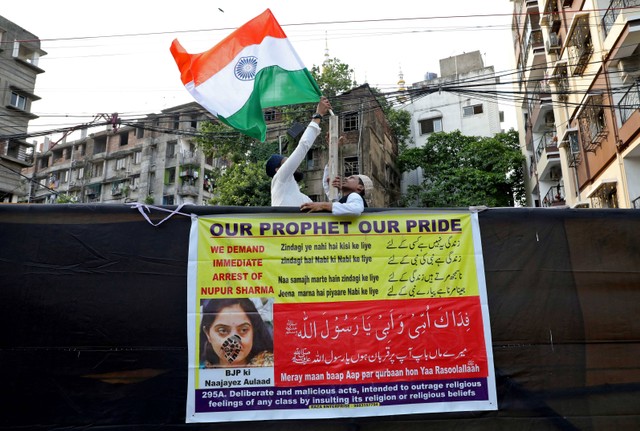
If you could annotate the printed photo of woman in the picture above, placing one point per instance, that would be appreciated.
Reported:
(234, 335)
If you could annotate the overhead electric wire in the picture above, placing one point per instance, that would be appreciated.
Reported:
(463, 85)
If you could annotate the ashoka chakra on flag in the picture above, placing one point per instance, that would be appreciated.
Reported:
(245, 69)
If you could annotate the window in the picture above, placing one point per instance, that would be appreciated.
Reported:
(139, 133)
(124, 139)
(270, 115)
(430, 125)
(312, 159)
(120, 163)
(56, 155)
(351, 166)
(100, 145)
(170, 176)
(18, 101)
(194, 122)
(25, 53)
(176, 122)
(468, 111)
(350, 122)
(167, 200)
(152, 179)
(80, 173)
(97, 169)
(137, 157)
(171, 148)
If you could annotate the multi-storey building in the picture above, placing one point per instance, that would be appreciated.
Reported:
(19, 55)
(578, 62)
(444, 111)
(158, 162)
(369, 148)
(154, 161)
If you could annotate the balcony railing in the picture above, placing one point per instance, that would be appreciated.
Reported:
(580, 46)
(592, 123)
(548, 140)
(554, 197)
(614, 10)
(629, 102)
(535, 41)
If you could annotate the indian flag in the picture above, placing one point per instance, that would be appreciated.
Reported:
(253, 68)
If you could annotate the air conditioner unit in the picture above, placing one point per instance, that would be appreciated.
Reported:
(553, 44)
(629, 69)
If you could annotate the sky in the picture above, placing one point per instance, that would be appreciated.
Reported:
(106, 57)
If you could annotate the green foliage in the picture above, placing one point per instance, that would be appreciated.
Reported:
(149, 200)
(243, 184)
(64, 198)
(222, 141)
(461, 171)
(400, 122)
(333, 77)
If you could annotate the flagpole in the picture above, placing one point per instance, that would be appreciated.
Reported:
(333, 155)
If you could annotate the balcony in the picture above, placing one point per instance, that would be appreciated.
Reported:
(551, 16)
(190, 158)
(616, 8)
(579, 44)
(548, 143)
(629, 102)
(554, 197)
(188, 190)
(592, 123)
(534, 57)
(560, 79)
(547, 157)
(541, 106)
(17, 151)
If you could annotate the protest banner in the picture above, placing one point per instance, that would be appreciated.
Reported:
(374, 315)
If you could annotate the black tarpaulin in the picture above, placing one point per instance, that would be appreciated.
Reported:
(93, 318)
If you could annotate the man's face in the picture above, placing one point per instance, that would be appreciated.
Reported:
(352, 184)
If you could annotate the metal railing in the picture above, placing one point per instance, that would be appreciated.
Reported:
(614, 10)
(555, 196)
(629, 102)
(548, 140)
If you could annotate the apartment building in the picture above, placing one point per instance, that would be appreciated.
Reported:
(369, 148)
(578, 64)
(154, 160)
(19, 55)
(444, 111)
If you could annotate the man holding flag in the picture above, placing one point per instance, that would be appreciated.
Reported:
(285, 190)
